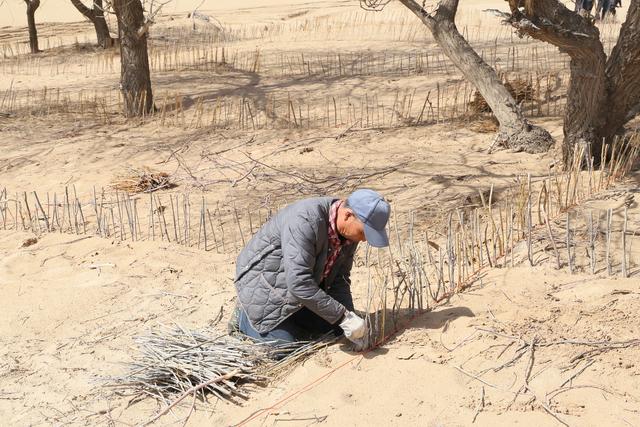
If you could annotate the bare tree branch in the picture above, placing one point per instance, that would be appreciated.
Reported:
(422, 14)
(150, 17)
(88, 13)
(374, 5)
(550, 21)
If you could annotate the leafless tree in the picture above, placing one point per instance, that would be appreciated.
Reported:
(32, 6)
(515, 130)
(135, 78)
(604, 92)
(96, 16)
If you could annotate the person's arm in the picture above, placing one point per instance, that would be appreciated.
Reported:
(354, 327)
(341, 287)
(298, 249)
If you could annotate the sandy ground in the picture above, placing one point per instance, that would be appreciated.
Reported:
(70, 305)
(53, 11)
(66, 325)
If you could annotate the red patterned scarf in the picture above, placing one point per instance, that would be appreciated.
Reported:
(335, 243)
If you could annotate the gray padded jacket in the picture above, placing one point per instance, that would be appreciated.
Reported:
(279, 271)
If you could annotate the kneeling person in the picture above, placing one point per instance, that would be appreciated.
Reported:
(293, 277)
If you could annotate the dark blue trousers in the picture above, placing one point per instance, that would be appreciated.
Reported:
(301, 326)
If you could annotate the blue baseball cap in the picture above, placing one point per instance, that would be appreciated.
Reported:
(373, 211)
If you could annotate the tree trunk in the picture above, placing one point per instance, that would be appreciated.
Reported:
(602, 92)
(584, 113)
(515, 131)
(135, 79)
(623, 72)
(32, 6)
(96, 16)
(102, 29)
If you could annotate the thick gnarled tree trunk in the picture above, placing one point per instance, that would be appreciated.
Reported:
(135, 79)
(623, 74)
(96, 16)
(32, 6)
(515, 131)
(585, 110)
(603, 92)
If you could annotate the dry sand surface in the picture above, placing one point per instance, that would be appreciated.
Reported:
(70, 304)
(65, 325)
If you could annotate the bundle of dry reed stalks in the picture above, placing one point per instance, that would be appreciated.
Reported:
(143, 180)
(521, 90)
(484, 124)
(175, 363)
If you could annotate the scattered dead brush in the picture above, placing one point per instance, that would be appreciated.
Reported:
(521, 89)
(144, 180)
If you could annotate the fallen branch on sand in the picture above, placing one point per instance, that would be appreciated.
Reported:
(528, 347)
(326, 183)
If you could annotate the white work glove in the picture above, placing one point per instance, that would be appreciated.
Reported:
(354, 327)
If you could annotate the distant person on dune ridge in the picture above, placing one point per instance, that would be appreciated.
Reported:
(293, 276)
(607, 7)
(583, 6)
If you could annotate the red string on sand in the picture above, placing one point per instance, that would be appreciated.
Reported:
(296, 393)
(323, 377)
